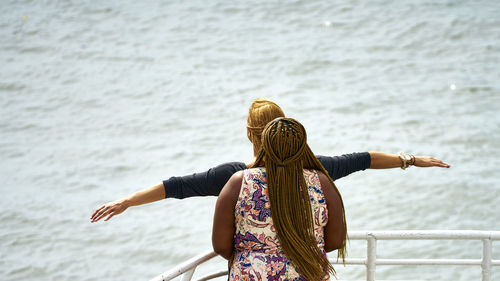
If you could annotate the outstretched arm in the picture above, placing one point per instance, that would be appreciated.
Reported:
(113, 208)
(198, 184)
(212, 181)
(344, 165)
(380, 160)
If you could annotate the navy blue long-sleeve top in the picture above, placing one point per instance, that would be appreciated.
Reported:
(212, 181)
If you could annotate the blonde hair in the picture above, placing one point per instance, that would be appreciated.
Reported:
(286, 153)
(261, 112)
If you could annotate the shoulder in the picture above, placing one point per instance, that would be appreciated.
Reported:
(228, 168)
(232, 187)
(324, 182)
(237, 166)
(323, 178)
(235, 179)
(328, 188)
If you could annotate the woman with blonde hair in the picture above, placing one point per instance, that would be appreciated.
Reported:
(277, 220)
(210, 183)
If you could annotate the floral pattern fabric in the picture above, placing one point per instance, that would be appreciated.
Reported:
(258, 255)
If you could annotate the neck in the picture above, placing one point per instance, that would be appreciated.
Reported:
(250, 164)
(253, 158)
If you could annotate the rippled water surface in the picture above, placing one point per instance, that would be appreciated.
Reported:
(101, 99)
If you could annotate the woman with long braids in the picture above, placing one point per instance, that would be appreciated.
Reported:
(277, 220)
(210, 182)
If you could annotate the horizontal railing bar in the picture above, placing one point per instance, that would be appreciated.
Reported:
(357, 261)
(185, 266)
(425, 234)
(362, 261)
(212, 275)
(188, 274)
(428, 262)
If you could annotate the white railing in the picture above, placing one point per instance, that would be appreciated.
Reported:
(188, 267)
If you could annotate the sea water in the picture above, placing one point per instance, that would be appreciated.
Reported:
(102, 99)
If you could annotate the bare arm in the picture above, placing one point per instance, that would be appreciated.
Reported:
(205, 183)
(210, 182)
(381, 160)
(223, 227)
(113, 208)
(334, 230)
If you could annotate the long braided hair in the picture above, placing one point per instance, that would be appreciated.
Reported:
(285, 153)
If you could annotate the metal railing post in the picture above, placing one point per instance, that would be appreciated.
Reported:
(371, 257)
(486, 262)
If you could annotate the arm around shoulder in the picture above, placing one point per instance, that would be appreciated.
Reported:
(223, 226)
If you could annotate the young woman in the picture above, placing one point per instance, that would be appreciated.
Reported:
(277, 220)
(211, 182)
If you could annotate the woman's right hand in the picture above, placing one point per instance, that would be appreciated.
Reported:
(109, 209)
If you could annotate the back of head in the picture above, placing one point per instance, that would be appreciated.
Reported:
(285, 151)
(261, 112)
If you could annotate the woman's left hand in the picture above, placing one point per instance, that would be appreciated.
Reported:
(427, 161)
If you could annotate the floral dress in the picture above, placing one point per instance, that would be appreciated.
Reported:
(257, 253)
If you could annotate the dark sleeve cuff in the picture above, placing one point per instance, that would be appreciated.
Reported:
(173, 188)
